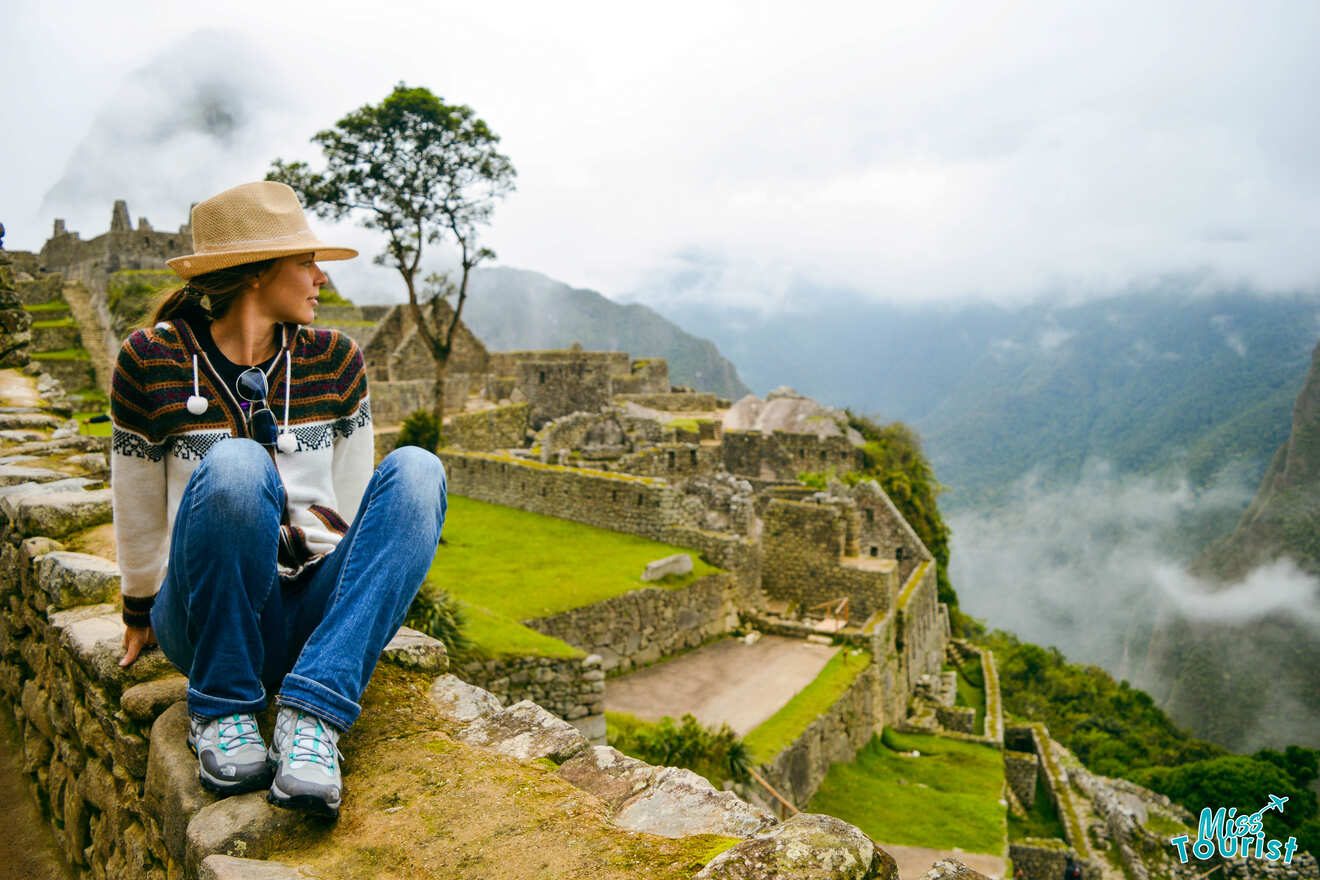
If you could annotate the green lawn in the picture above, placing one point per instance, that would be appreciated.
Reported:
(66, 321)
(776, 732)
(508, 565)
(55, 305)
(947, 797)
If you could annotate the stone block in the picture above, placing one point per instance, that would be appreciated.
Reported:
(13, 474)
(416, 650)
(241, 825)
(172, 794)
(69, 578)
(678, 564)
(808, 846)
(97, 787)
(462, 703)
(56, 514)
(143, 702)
(97, 642)
(609, 774)
(36, 706)
(527, 732)
(229, 868)
(952, 869)
(680, 803)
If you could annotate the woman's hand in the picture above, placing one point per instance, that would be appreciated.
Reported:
(135, 639)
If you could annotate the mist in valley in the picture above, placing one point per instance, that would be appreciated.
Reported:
(1098, 569)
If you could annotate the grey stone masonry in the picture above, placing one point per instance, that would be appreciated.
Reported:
(572, 688)
(641, 626)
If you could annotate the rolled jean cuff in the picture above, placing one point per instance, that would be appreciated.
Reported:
(213, 707)
(314, 697)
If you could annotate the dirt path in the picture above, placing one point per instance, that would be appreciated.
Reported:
(913, 861)
(726, 681)
(18, 389)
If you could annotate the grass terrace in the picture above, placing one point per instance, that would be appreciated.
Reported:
(946, 797)
(779, 730)
(1041, 821)
(508, 565)
(971, 692)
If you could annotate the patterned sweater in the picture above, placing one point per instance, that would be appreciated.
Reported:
(157, 443)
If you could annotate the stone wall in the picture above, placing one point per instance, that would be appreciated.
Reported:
(803, 546)
(920, 630)
(961, 719)
(642, 626)
(1039, 859)
(621, 503)
(1020, 772)
(572, 688)
(782, 456)
(673, 401)
(555, 388)
(645, 376)
(501, 427)
(670, 460)
(837, 735)
(883, 532)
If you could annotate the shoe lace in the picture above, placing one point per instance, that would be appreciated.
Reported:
(235, 731)
(313, 742)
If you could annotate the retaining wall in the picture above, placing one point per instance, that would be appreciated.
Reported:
(619, 502)
(837, 735)
(642, 626)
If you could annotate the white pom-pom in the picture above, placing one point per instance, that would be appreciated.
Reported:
(287, 443)
(163, 325)
(196, 404)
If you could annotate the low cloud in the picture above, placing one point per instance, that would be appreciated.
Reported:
(1098, 569)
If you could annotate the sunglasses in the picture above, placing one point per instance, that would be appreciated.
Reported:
(252, 389)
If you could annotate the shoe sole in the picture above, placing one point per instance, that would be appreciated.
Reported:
(304, 802)
(224, 787)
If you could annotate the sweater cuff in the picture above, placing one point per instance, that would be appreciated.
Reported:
(137, 610)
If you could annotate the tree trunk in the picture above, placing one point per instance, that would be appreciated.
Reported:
(438, 404)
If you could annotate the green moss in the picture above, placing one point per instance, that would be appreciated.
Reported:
(55, 305)
(779, 730)
(911, 586)
(1164, 826)
(55, 322)
(948, 797)
(537, 465)
(63, 354)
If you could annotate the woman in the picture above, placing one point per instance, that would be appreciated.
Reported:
(255, 541)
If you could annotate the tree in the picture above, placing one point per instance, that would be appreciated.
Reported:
(421, 171)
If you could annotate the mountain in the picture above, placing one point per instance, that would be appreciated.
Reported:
(1147, 381)
(517, 309)
(1284, 518)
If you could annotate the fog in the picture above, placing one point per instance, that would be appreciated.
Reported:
(1099, 570)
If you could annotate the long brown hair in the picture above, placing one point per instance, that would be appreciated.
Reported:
(208, 296)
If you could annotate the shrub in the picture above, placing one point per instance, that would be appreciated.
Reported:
(419, 429)
(440, 616)
(715, 754)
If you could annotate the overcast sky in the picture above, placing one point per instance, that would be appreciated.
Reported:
(909, 151)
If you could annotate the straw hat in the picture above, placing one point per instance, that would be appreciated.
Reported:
(251, 222)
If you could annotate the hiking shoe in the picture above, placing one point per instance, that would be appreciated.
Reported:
(231, 755)
(305, 754)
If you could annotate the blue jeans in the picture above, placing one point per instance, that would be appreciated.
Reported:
(224, 617)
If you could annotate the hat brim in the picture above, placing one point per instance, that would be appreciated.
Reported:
(192, 265)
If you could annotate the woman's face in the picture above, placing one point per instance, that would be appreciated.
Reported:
(288, 290)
